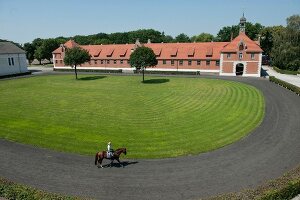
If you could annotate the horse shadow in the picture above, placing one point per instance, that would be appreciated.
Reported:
(117, 165)
(91, 78)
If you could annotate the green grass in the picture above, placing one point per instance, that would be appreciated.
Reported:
(165, 118)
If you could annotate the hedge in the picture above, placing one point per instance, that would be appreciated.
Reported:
(14, 191)
(285, 84)
(282, 71)
(289, 192)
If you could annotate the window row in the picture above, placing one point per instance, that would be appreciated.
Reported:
(100, 61)
(252, 55)
(190, 62)
(107, 62)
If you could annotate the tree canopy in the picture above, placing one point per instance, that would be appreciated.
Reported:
(76, 56)
(203, 37)
(285, 52)
(252, 30)
(142, 58)
(182, 38)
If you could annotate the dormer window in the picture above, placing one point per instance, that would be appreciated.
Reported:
(241, 47)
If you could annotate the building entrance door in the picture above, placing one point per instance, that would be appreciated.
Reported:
(239, 69)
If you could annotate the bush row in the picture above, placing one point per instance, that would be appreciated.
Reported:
(285, 84)
(289, 192)
(283, 71)
(13, 191)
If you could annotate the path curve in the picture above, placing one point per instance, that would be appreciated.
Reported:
(269, 151)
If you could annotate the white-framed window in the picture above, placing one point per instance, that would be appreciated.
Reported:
(102, 62)
(121, 61)
(164, 62)
(252, 56)
(207, 62)
(198, 62)
(180, 62)
(229, 55)
(9, 63)
(115, 61)
(240, 55)
(108, 61)
(172, 62)
(189, 62)
(217, 63)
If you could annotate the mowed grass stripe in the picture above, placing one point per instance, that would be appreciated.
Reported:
(179, 117)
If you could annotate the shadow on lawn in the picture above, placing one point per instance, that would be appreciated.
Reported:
(156, 81)
(117, 165)
(90, 78)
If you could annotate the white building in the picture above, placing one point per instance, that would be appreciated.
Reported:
(12, 59)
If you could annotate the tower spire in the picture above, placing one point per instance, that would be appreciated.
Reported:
(243, 24)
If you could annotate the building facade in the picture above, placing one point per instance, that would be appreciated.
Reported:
(241, 56)
(12, 59)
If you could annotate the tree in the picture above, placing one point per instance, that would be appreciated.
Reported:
(76, 56)
(285, 53)
(39, 54)
(182, 38)
(142, 58)
(29, 48)
(267, 38)
(252, 30)
(203, 37)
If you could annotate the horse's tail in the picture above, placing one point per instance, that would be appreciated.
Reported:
(96, 158)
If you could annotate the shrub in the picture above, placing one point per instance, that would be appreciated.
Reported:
(292, 190)
(283, 71)
(285, 84)
(10, 190)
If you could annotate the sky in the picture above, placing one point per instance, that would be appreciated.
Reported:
(24, 20)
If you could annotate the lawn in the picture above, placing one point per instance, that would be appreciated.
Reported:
(166, 117)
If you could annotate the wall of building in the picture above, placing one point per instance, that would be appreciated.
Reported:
(17, 64)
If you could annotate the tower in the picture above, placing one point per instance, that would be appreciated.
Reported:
(243, 24)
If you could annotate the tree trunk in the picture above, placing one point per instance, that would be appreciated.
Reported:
(75, 71)
(143, 75)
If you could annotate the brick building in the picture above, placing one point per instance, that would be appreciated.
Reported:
(241, 56)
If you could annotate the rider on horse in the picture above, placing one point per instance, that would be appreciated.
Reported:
(110, 151)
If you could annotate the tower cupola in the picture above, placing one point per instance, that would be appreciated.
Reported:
(243, 24)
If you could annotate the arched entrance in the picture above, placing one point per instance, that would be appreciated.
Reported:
(239, 69)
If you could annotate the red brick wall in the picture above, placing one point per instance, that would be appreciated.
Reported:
(228, 67)
(252, 67)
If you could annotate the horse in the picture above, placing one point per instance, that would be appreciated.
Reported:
(103, 154)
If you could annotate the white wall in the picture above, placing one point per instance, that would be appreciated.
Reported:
(20, 64)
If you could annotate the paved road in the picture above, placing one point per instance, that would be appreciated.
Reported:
(292, 79)
(269, 151)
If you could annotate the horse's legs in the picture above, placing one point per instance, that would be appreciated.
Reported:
(120, 162)
(100, 161)
(112, 160)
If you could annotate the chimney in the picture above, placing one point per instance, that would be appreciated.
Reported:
(231, 37)
(149, 41)
(137, 43)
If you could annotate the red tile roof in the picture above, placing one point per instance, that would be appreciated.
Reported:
(180, 51)
(233, 46)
